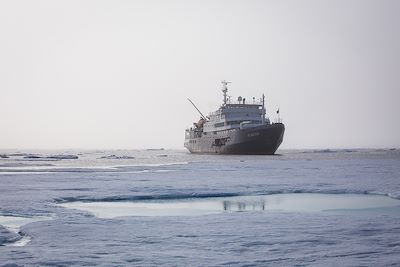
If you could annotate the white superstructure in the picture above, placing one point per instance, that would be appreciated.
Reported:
(239, 115)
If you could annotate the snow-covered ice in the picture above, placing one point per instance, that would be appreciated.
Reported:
(258, 209)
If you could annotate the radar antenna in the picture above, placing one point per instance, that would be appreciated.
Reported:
(225, 89)
(201, 114)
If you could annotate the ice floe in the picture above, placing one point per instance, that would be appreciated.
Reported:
(10, 232)
(56, 157)
(116, 157)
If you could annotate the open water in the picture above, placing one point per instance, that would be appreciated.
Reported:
(172, 208)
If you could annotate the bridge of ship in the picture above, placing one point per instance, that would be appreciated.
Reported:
(232, 116)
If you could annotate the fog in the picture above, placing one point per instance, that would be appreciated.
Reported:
(116, 74)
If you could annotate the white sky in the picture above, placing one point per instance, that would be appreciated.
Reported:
(116, 74)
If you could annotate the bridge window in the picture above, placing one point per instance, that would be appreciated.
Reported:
(219, 124)
(234, 122)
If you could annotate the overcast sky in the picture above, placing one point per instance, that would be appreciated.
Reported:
(116, 74)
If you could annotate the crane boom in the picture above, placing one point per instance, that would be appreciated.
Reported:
(201, 114)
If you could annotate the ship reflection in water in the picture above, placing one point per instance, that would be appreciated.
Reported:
(243, 205)
(301, 202)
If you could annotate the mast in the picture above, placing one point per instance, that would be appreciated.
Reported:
(263, 109)
(225, 90)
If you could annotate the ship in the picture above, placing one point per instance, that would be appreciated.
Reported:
(235, 128)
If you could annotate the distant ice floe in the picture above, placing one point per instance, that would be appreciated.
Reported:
(56, 157)
(10, 233)
(330, 151)
(164, 164)
(23, 165)
(346, 150)
(30, 156)
(18, 154)
(116, 157)
(195, 206)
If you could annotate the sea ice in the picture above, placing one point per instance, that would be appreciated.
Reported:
(14, 224)
(116, 157)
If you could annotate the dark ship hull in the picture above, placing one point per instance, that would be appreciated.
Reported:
(260, 140)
